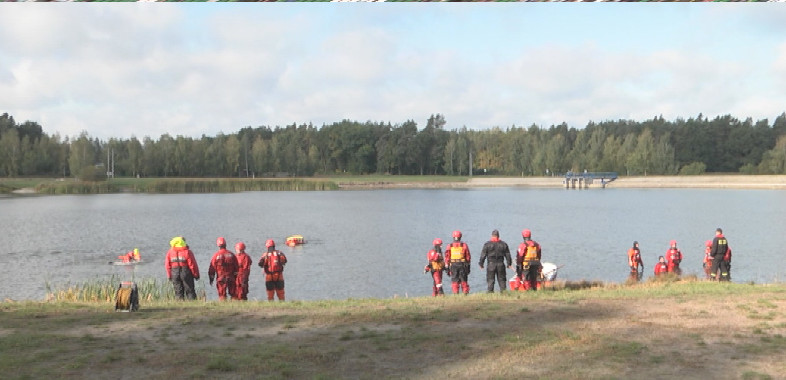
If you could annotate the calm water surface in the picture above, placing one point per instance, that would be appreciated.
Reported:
(374, 243)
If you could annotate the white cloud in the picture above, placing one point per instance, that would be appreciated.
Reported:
(152, 69)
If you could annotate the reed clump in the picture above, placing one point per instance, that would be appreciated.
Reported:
(104, 290)
(177, 185)
(61, 188)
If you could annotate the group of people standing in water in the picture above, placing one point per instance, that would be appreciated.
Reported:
(716, 264)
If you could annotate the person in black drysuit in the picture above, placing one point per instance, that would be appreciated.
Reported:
(497, 253)
(717, 251)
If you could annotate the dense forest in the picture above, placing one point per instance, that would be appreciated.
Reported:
(650, 147)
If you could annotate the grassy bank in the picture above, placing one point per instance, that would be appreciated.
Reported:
(220, 185)
(693, 330)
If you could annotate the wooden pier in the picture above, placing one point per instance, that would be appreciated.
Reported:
(585, 179)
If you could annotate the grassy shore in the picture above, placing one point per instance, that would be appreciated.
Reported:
(684, 329)
(364, 182)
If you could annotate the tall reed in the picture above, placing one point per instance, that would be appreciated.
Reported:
(104, 290)
(193, 185)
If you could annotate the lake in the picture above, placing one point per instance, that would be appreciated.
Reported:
(373, 243)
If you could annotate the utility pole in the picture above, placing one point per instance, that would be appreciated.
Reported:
(246, 158)
(470, 164)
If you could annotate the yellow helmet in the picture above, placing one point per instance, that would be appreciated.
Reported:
(177, 242)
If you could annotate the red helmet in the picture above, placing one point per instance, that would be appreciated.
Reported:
(270, 243)
(240, 246)
(221, 242)
(708, 243)
(437, 241)
(526, 233)
(457, 234)
(673, 243)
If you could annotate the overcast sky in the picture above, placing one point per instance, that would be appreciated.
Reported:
(140, 69)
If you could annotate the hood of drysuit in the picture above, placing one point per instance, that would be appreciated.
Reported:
(177, 242)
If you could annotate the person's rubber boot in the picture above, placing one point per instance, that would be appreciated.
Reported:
(434, 291)
(270, 294)
(455, 287)
(465, 287)
(280, 294)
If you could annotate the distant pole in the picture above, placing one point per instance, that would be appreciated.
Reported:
(246, 159)
(470, 164)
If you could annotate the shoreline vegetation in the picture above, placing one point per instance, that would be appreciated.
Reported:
(228, 185)
(685, 329)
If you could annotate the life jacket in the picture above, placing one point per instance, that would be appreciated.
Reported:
(275, 261)
(457, 252)
(707, 255)
(532, 252)
(661, 268)
(675, 256)
(635, 257)
(435, 261)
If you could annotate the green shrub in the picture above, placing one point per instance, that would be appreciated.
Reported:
(694, 168)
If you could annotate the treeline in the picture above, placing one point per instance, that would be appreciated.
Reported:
(656, 146)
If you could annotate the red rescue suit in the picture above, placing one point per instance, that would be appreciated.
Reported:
(528, 265)
(725, 266)
(436, 265)
(707, 263)
(634, 259)
(458, 258)
(673, 259)
(223, 268)
(182, 269)
(661, 268)
(128, 257)
(243, 271)
(272, 264)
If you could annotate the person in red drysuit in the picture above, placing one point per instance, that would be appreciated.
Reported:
(457, 259)
(181, 268)
(131, 256)
(436, 265)
(674, 258)
(707, 263)
(661, 267)
(223, 268)
(272, 262)
(635, 263)
(243, 271)
(528, 264)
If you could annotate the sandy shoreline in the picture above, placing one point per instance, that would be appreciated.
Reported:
(769, 182)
